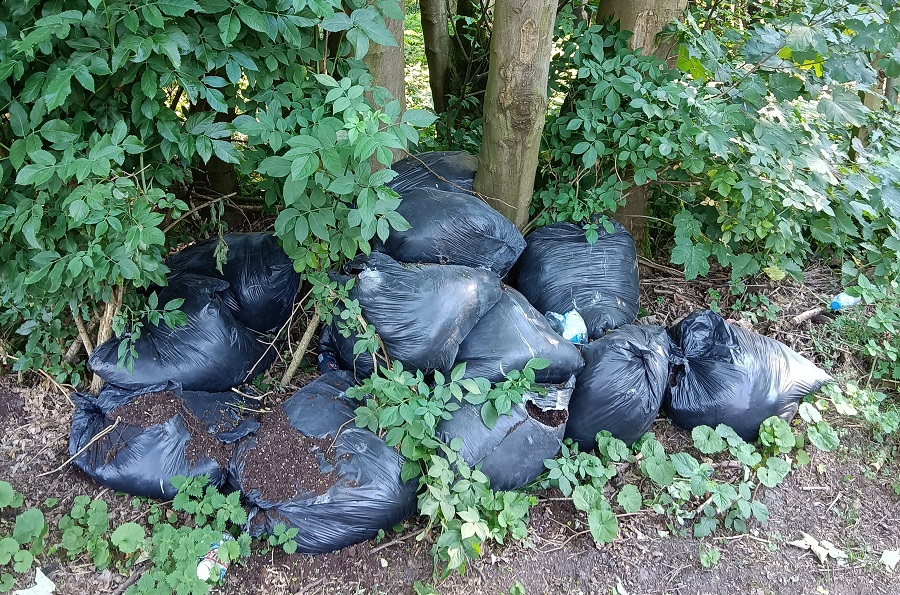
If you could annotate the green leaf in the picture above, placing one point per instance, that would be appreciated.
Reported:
(707, 441)
(419, 118)
(774, 472)
(660, 470)
(694, 257)
(29, 526)
(229, 27)
(629, 498)
(277, 167)
(843, 107)
(489, 414)
(8, 548)
(685, 465)
(7, 494)
(23, 560)
(803, 38)
(58, 88)
(339, 21)
(603, 524)
(823, 436)
(18, 119)
(177, 8)
(251, 17)
(128, 537)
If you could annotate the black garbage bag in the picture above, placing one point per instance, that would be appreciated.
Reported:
(512, 453)
(723, 374)
(621, 386)
(452, 228)
(311, 468)
(559, 272)
(153, 435)
(212, 352)
(340, 348)
(451, 171)
(262, 282)
(510, 334)
(421, 312)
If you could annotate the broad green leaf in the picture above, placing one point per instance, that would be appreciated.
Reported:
(177, 8)
(229, 27)
(128, 537)
(707, 441)
(629, 498)
(603, 524)
(843, 107)
(694, 257)
(251, 17)
(18, 119)
(774, 472)
(29, 526)
(419, 118)
(823, 436)
(339, 21)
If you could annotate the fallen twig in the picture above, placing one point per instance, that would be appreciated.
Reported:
(97, 437)
(804, 316)
(393, 542)
(298, 354)
(131, 580)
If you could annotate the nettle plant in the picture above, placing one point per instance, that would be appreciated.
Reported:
(753, 147)
(107, 107)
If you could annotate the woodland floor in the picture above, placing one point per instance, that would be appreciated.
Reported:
(843, 496)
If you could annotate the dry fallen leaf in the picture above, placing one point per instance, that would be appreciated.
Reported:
(822, 549)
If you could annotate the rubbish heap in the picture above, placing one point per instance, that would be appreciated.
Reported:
(437, 297)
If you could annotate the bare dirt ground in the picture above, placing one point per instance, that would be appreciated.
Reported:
(845, 497)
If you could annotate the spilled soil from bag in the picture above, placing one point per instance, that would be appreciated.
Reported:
(284, 463)
(551, 417)
(156, 408)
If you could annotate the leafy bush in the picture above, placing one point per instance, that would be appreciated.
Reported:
(753, 151)
(108, 108)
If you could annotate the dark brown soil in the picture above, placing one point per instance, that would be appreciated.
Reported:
(284, 463)
(149, 409)
(10, 404)
(552, 417)
(155, 408)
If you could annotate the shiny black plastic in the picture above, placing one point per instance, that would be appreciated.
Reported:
(621, 386)
(560, 271)
(369, 494)
(723, 374)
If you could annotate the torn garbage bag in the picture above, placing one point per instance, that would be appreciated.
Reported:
(560, 271)
(723, 374)
(510, 334)
(421, 312)
(451, 228)
(621, 386)
(144, 438)
(311, 468)
(451, 171)
(512, 453)
(262, 282)
(212, 352)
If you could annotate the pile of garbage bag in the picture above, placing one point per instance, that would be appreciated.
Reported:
(220, 347)
(438, 296)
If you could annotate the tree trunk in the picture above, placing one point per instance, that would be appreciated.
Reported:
(388, 70)
(515, 104)
(436, 31)
(645, 18)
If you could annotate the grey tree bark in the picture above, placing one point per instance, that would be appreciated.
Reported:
(515, 104)
(645, 18)
(388, 69)
(435, 16)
